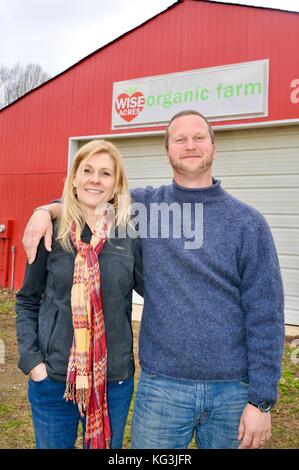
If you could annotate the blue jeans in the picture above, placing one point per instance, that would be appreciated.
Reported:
(56, 421)
(168, 412)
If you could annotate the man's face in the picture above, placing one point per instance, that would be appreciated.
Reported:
(190, 149)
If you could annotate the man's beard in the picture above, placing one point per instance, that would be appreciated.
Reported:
(183, 167)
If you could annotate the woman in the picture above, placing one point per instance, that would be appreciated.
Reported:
(74, 309)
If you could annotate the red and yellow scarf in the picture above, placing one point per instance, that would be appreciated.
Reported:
(86, 382)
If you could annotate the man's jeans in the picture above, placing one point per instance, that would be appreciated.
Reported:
(56, 421)
(168, 412)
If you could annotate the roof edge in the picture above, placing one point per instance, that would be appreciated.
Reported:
(248, 6)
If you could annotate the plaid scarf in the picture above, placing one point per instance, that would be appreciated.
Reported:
(86, 382)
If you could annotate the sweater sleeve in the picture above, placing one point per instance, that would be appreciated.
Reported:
(262, 300)
(28, 301)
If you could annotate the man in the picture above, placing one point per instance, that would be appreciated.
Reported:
(212, 330)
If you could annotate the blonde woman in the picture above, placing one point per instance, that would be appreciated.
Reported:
(74, 309)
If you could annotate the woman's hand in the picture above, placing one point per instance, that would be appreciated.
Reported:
(38, 372)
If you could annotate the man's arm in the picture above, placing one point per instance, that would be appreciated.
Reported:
(39, 226)
(261, 293)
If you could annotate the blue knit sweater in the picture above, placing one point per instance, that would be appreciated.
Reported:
(215, 312)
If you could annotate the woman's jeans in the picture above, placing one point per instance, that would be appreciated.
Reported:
(168, 412)
(56, 421)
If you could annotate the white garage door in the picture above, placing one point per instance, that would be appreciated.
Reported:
(260, 167)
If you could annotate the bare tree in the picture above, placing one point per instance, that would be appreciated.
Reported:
(18, 80)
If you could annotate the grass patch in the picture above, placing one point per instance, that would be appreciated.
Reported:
(7, 308)
(11, 425)
(6, 409)
(7, 302)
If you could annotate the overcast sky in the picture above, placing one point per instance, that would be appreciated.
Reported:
(58, 33)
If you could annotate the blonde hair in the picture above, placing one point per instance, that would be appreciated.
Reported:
(71, 209)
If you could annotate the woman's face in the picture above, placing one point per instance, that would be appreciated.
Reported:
(95, 180)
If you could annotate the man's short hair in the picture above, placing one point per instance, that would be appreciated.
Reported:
(188, 112)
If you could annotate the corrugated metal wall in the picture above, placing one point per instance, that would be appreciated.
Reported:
(34, 131)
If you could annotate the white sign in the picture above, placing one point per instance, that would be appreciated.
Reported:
(229, 92)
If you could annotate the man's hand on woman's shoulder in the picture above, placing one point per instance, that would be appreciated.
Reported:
(39, 226)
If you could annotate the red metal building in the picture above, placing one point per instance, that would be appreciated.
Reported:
(35, 131)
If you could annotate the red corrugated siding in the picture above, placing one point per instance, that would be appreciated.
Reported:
(34, 131)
